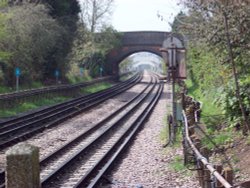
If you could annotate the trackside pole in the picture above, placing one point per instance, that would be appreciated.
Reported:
(173, 53)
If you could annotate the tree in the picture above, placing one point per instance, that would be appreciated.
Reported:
(94, 37)
(66, 13)
(225, 28)
(32, 34)
(40, 35)
(20, 2)
(90, 49)
(4, 54)
(95, 14)
(177, 23)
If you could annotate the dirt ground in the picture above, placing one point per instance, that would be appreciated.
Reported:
(237, 154)
(240, 155)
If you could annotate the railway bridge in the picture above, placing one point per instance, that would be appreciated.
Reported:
(139, 41)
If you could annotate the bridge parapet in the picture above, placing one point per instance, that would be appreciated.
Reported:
(138, 41)
(145, 38)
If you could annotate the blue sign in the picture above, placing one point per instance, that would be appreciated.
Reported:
(81, 71)
(17, 71)
(101, 69)
(57, 73)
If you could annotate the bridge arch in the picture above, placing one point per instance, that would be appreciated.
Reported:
(139, 41)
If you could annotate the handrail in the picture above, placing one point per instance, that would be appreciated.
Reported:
(196, 119)
(209, 166)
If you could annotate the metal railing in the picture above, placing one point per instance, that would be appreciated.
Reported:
(216, 176)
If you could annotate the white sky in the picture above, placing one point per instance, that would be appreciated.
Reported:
(141, 15)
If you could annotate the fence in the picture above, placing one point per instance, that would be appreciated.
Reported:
(209, 175)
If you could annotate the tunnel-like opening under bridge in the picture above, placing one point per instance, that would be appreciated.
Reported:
(138, 41)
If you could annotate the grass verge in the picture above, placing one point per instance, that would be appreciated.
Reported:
(33, 85)
(26, 106)
(211, 113)
(41, 102)
(176, 163)
(95, 88)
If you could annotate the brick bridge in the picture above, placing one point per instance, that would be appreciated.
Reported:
(133, 42)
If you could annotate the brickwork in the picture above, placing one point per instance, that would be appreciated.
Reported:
(133, 42)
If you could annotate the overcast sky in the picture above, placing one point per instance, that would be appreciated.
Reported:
(141, 15)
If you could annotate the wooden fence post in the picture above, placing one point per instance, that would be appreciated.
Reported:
(205, 173)
(22, 168)
(219, 169)
(197, 144)
(228, 174)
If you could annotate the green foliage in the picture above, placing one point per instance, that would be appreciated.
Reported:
(248, 140)
(125, 63)
(164, 68)
(204, 69)
(211, 62)
(4, 55)
(26, 106)
(219, 139)
(177, 164)
(2, 25)
(4, 89)
(227, 100)
(212, 114)
(95, 88)
(66, 14)
(74, 75)
(32, 34)
(36, 84)
(78, 79)
(107, 39)
(177, 23)
(44, 36)
(3, 4)
(164, 131)
(90, 50)
(36, 38)
(206, 76)
(62, 8)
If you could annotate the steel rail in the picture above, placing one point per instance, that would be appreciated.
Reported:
(125, 143)
(77, 108)
(93, 128)
(31, 92)
(201, 158)
(36, 114)
(60, 108)
(7, 140)
(90, 145)
(2, 178)
(81, 136)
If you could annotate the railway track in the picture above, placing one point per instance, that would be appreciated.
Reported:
(2, 178)
(20, 128)
(32, 92)
(83, 161)
(95, 145)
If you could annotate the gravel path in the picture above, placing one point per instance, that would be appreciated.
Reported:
(146, 164)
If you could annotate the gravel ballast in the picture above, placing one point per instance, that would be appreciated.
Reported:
(146, 164)
(52, 138)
